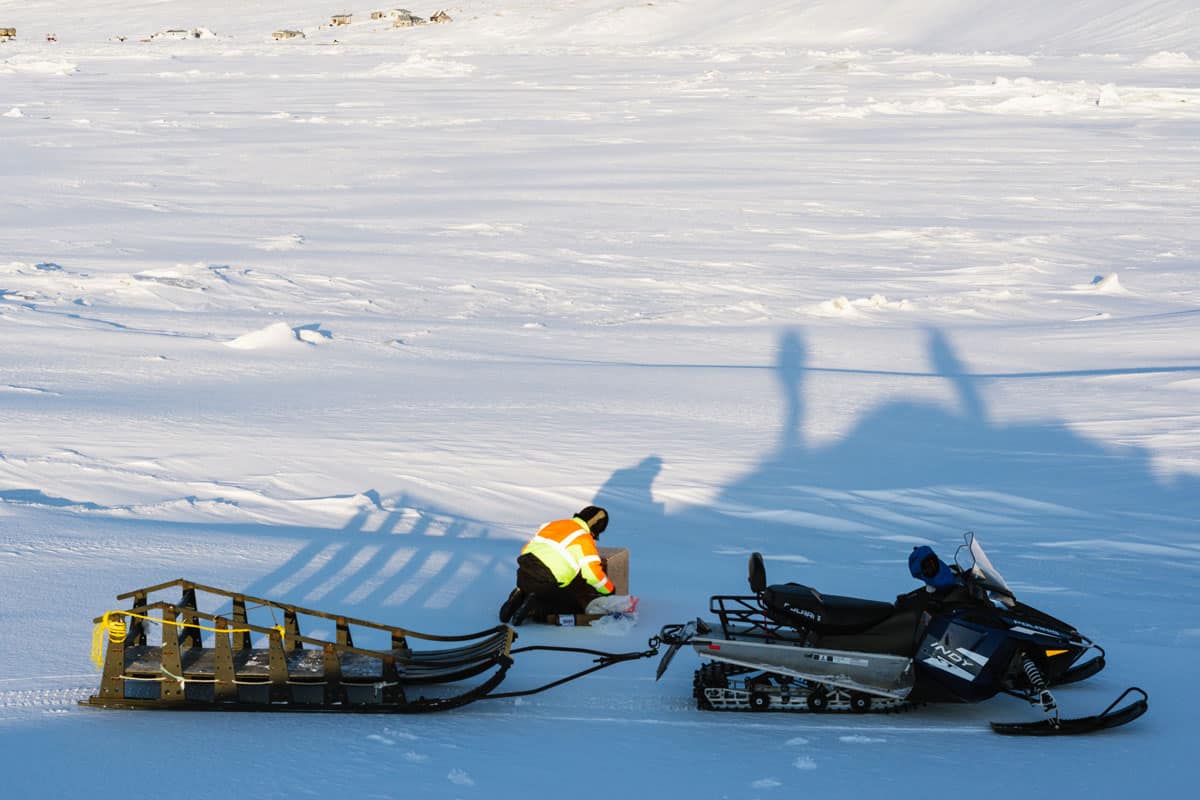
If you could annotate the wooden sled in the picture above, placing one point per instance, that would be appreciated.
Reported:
(253, 657)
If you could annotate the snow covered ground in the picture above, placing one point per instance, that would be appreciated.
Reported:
(341, 319)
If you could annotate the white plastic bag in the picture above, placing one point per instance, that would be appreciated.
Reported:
(613, 604)
(619, 610)
(615, 624)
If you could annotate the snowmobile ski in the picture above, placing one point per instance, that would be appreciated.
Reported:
(1108, 718)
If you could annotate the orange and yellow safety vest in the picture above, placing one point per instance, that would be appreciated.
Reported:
(567, 549)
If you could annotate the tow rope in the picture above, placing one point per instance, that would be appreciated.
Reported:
(602, 661)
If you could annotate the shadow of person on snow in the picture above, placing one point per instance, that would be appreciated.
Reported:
(628, 494)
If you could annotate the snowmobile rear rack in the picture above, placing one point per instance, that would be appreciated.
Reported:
(743, 617)
(206, 661)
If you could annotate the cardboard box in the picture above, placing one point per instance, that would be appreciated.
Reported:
(615, 561)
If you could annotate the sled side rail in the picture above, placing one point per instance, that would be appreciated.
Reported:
(289, 640)
(240, 600)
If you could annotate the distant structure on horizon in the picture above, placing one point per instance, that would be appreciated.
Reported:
(181, 33)
(406, 19)
(7, 33)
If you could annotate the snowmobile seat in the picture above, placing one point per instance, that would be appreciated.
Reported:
(804, 607)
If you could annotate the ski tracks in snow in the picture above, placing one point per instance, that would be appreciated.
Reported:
(21, 704)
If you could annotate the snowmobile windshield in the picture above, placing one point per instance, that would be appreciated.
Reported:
(975, 564)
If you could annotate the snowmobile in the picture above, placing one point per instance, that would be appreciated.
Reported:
(963, 637)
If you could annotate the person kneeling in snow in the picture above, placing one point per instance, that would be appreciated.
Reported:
(559, 570)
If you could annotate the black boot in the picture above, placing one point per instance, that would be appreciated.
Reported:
(511, 605)
(529, 607)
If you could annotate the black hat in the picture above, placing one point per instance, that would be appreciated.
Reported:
(595, 518)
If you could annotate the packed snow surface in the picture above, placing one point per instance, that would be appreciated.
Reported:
(341, 319)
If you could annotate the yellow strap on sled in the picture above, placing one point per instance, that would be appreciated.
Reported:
(118, 629)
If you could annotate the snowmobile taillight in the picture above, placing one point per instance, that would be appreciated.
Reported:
(714, 646)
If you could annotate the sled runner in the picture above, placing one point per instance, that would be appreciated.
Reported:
(963, 639)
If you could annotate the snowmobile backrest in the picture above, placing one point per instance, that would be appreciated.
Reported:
(758, 574)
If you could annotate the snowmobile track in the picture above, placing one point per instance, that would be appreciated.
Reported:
(716, 688)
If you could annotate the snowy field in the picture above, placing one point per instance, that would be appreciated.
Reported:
(340, 320)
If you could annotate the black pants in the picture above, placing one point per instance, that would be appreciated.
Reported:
(534, 577)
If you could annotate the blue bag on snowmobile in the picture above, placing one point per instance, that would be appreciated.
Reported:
(925, 565)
